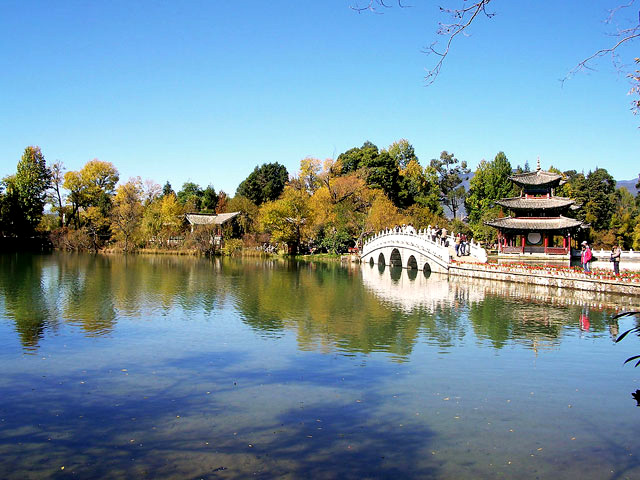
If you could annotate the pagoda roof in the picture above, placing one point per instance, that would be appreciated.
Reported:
(535, 223)
(539, 177)
(522, 203)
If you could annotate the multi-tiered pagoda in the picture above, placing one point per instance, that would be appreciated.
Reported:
(537, 227)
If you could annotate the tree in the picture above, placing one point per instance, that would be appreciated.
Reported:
(126, 213)
(382, 172)
(403, 153)
(161, 219)
(92, 186)
(339, 209)
(379, 169)
(167, 189)
(248, 213)
(288, 218)
(57, 180)
(95, 225)
(450, 173)
(310, 174)
(420, 186)
(489, 183)
(222, 203)
(264, 184)
(595, 194)
(209, 199)
(624, 218)
(27, 191)
(356, 158)
(383, 214)
(150, 191)
(190, 196)
(9, 206)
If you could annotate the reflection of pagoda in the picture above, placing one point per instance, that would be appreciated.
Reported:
(537, 227)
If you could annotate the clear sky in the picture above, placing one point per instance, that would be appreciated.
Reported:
(204, 91)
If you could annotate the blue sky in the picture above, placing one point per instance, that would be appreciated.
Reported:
(204, 91)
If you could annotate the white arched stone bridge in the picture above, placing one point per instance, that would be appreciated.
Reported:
(408, 248)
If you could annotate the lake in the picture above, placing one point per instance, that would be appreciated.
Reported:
(181, 367)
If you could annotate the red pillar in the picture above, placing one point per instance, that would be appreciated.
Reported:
(546, 242)
(523, 242)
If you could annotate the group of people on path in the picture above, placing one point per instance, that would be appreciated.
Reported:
(586, 256)
(437, 235)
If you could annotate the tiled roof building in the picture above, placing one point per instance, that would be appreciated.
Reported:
(537, 227)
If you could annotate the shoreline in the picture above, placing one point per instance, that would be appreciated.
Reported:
(597, 281)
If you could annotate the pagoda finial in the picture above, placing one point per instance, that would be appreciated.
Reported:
(538, 166)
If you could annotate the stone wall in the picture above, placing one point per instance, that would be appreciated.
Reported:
(550, 278)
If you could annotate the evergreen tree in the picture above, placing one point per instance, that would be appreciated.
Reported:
(264, 184)
(26, 193)
(490, 183)
(167, 190)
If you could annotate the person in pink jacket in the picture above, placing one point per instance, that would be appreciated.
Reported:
(585, 256)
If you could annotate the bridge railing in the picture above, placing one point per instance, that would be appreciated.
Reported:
(475, 249)
(406, 231)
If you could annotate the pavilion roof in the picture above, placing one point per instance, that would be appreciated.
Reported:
(535, 223)
(210, 218)
(539, 177)
(521, 203)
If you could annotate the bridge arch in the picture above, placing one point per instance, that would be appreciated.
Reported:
(406, 249)
(395, 260)
(426, 269)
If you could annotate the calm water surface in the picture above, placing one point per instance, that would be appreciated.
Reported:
(171, 367)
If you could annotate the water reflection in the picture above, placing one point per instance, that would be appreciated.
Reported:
(360, 309)
(178, 367)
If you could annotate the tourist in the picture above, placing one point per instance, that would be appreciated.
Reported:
(585, 257)
(444, 237)
(458, 244)
(616, 252)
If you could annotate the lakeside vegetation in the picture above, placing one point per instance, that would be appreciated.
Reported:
(326, 206)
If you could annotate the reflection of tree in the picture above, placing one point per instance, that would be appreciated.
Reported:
(87, 295)
(325, 307)
(25, 299)
(355, 310)
(93, 291)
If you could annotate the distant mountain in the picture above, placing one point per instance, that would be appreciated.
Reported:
(629, 185)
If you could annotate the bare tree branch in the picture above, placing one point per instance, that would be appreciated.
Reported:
(372, 6)
(464, 16)
(584, 64)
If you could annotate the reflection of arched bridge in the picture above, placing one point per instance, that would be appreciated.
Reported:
(407, 248)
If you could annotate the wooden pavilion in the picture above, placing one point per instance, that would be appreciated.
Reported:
(537, 226)
(217, 221)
